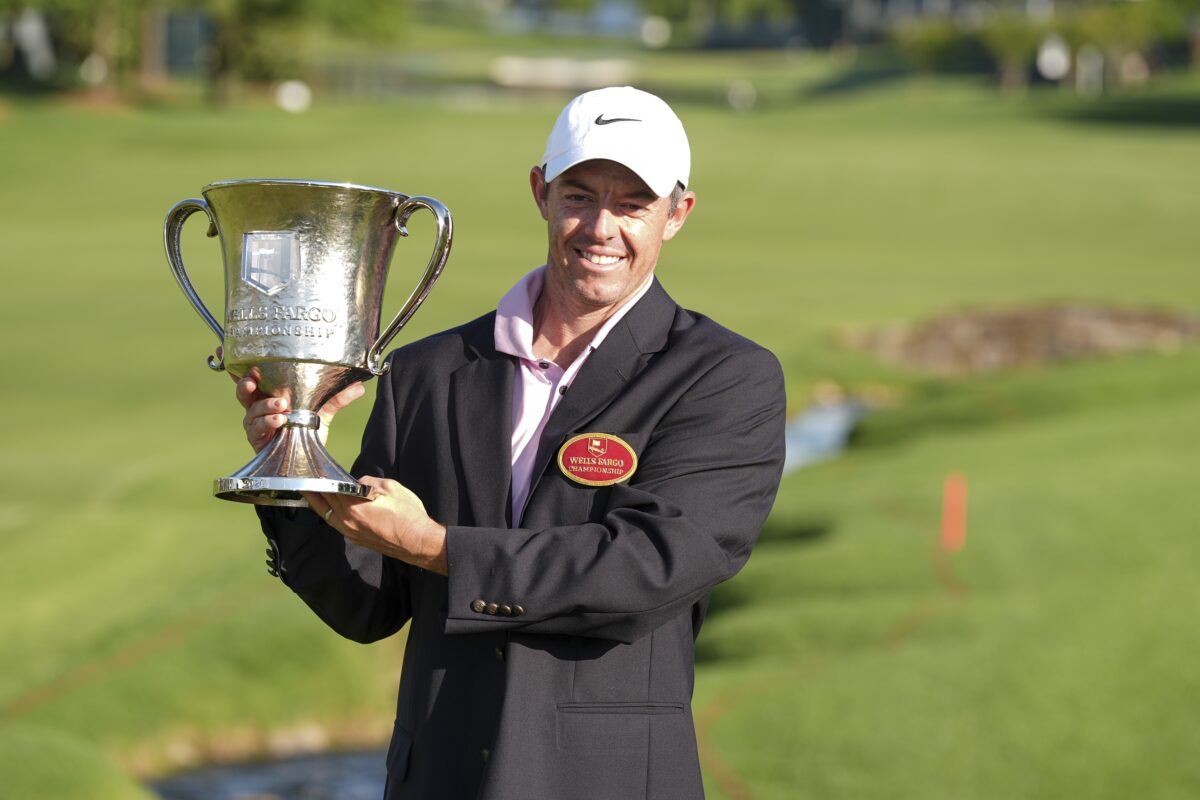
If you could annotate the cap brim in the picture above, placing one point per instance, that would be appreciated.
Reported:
(656, 179)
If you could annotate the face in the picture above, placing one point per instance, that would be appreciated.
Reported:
(605, 229)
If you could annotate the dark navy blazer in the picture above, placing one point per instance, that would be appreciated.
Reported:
(586, 694)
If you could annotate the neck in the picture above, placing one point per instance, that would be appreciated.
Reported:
(562, 337)
(561, 334)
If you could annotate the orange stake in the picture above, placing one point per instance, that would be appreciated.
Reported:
(954, 512)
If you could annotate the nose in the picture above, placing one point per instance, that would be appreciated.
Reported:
(604, 224)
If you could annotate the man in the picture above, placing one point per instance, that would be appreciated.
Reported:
(556, 488)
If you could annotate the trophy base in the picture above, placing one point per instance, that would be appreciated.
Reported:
(283, 491)
(296, 461)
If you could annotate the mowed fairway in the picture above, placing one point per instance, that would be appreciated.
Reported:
(1055, 656)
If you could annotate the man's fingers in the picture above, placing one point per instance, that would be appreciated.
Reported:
(341, 512)
(386, 487)
(336, 510)
(247, 390)
(343, 504)
(342, 399)
(263, 418)
(319, 505)
(347, 396)
(266, 407)
(332, 507)
(260, 429)
(378, 485)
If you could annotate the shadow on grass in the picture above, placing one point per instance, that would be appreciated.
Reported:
(1146, 112)
(868, 77)
(741, 592)
(941, 406)
(801, 532)
(14, 86)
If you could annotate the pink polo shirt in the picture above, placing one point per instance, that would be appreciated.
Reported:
(540, 383)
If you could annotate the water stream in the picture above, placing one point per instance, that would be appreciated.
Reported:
(324, 776)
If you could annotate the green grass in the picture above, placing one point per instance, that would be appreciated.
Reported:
(141, 617)
(846, 669)
(41, 763)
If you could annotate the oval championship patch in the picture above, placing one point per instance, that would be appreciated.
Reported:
(597, 459)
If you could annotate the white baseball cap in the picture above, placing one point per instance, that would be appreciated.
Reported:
(625, 125)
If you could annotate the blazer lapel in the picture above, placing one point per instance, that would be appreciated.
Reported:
(481, 394)
(621, 355)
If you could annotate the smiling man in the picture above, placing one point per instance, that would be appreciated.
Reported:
(556, 488)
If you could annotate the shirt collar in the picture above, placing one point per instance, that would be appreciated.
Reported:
(514, 315)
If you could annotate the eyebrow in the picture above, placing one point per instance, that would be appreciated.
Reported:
(639, 194)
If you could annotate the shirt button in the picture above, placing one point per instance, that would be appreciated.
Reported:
(562, 390)
(478, 606)
(544, 364)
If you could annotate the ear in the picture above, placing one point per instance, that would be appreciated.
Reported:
(541, 190)
(686, 203)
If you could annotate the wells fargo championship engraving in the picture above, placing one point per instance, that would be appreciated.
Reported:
(278, 321)
(305, 268)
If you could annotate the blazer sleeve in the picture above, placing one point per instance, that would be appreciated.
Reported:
(356, 591)
(705, 483)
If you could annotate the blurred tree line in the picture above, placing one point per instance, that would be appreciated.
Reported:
(1120, 41)
(121, 42)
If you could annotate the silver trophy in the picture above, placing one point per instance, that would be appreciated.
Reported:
(305, 267)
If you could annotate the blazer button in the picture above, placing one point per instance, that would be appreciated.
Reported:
(492, 608)
(500, 654)
(518, 611)
(485, 754)
(506, 610)
(478, 606)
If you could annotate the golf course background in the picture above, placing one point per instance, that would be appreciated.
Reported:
(1053, 656)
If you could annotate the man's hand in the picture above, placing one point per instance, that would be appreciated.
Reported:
(391, 521)
(266, 414)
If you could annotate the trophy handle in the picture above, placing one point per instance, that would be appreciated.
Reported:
(437, 261)
(172, 227)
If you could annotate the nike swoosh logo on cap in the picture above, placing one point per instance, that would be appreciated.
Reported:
(600, 120)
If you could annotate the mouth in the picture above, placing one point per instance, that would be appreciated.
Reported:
(600, 260)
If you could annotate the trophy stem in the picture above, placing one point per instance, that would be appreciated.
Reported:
(296, 451)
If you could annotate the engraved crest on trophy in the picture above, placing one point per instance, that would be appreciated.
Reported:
(267, 259)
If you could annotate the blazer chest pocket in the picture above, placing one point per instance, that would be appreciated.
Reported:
(609, 727)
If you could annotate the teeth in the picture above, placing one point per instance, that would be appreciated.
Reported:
(601, 261)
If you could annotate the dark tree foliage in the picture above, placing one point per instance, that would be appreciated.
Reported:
(257, 40)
